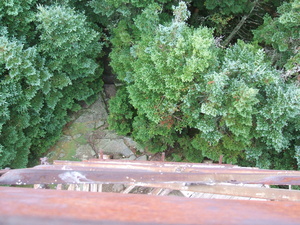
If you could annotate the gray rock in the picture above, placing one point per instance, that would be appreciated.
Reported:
(84, 157)
(113, 147)
(85, 152)
(77, 136)
(110, 90)
(99, 108)
(118, 156)
(132, 144)
(112, 135)
(132, 157)
(86, 117)
(142, 158)
(95, 116)
(106, 134)
(89, 131)
(99, 124)
(65, 138)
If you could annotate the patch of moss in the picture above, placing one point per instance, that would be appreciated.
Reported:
(81, 140)
(78, 128)
(69, 149)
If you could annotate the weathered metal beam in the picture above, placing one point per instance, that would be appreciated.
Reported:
(21, 205)
(252, 192)
(233, 190)
(3, 171)
(158, 166)
(104, 175)
(146, 165)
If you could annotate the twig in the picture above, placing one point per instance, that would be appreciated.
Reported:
(238, 26)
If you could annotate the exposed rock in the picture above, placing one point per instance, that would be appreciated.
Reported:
(95, 116)
(110, 90)
(65, 138)
(105, 134)
(85, 152)
(86, 117)
(113, 147)
(132, 157)
(133, 145)
(79, 128)
(99, 124)
(118, 156)
(142, 158)
(88, 134)
(99, 108)
(77, 136)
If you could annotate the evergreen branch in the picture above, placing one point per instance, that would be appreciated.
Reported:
(239, 25)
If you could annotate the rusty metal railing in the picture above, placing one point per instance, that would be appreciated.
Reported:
(282, 207)
(212, 178)
(30, 206)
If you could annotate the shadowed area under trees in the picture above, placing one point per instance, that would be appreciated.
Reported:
(196, 79)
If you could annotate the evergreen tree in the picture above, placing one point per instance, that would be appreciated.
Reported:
(199, 98)
(282, 34)
(43, 76)
(190, 86)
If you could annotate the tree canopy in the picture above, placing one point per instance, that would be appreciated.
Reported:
(48, 63)
(198, 78)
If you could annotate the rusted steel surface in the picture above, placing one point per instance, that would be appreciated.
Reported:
(118, 171)
(157, 166)
(140, 163)
(203, 178)
(101, 155)
(3, 171)
(21, 205)
(233, 190)
(163, 156)
(116, 175)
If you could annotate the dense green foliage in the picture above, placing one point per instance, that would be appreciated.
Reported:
(282, 34)
(44, 73)
(194, 96)
(199, 78)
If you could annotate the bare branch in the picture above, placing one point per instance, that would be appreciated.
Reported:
(239, 25)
